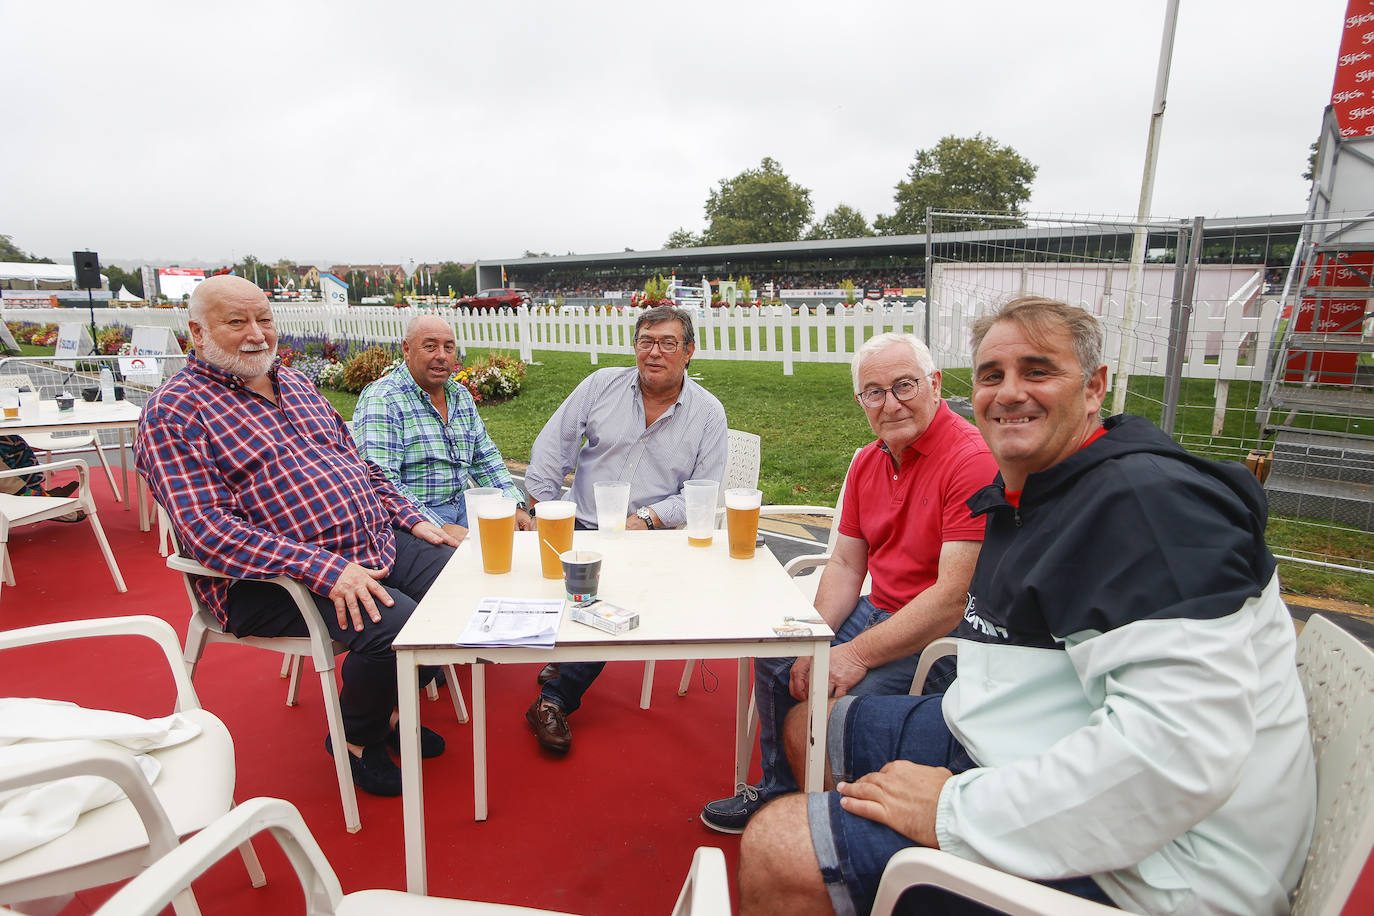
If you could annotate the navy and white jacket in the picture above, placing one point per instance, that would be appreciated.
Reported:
(1129, 689)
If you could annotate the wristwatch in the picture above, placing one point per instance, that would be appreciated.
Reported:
(645, 514)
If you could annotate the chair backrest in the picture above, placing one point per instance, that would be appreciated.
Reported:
(741, 462)
(1337, 674)
(16, 380)
(839, 507)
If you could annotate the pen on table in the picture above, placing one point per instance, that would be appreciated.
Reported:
(491, 618)
(790, 619)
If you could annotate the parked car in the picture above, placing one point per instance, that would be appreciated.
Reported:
(494, 298)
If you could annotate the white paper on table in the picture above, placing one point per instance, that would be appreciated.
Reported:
(531, 622)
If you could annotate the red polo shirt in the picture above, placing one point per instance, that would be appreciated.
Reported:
(906, 515)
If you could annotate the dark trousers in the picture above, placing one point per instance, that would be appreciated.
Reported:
(369, 671)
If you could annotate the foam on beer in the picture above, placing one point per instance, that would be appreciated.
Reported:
(742, 500)
(556, 509)
(495, 508)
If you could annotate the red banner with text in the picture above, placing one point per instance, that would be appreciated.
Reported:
(1332, 316)
(1352, 96)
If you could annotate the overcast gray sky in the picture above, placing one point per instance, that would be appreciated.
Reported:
(363, 131)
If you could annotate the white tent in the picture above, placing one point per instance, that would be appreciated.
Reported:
(17, 275)
(125, 295)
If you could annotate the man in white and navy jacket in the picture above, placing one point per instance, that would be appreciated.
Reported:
(1127, 724)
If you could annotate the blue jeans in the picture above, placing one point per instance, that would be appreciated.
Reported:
(452, 513)
(864, 734)
(772, 694)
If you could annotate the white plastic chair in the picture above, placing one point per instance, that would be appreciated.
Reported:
(45, 445)
(742, 460)
(1337, 674)
(16, 511)
(204, 628)
(117, 840)
(705, 893)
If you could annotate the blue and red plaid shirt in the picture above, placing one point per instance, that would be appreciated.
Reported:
(257, 490)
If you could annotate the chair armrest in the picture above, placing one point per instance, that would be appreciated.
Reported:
(64, 465)
(154, 628)
(798, 565)
(933, 652)
(150, 892)
(775, 510)
(706, 892)
(91, 758)
(1013, 895)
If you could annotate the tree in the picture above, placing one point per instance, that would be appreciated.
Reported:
(132, 280)
(13, 253)
(1311, 163)
(463, 280)
(843, 222)
(960, 173)
(681, 238)
(757, 205)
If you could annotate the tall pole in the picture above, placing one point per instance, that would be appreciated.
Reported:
(1126, 351)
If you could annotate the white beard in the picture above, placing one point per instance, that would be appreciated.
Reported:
(246, 366)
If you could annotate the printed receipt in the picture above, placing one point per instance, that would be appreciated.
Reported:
(529, 622)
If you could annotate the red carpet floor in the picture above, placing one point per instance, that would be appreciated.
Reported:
(609, 829)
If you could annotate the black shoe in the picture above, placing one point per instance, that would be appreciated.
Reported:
(374, 772)
(431, 743)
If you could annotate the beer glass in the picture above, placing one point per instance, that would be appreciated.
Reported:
(472, 498)
(496, 527)
(700, 497)
(742, 521)
(554, 519)
(9, 403)
(612, 504)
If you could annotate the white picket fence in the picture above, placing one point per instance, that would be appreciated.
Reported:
(1227, 341)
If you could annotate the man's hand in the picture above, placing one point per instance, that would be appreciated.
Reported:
(523, 522)
(903, 795)
(845, 669)
(457, 532)
(353, 594)
(428, 531)
(845, 672)
(635, 523)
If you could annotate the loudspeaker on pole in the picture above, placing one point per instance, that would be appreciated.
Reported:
(87, 264)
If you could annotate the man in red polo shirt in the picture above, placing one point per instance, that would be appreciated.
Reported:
(905, 524)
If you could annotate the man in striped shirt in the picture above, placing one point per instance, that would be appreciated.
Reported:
(261, 479)
(420, 426)
(648, 424)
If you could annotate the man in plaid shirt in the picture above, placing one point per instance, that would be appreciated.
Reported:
(261, 479)
(420, 426)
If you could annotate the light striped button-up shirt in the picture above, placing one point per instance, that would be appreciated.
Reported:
(429, 460)
(686, 443)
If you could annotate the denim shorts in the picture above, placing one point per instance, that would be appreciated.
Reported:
(865, 733)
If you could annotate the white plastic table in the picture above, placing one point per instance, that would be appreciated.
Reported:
(44, 417)
(693, 602)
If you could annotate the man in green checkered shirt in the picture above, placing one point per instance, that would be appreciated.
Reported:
(420, 426)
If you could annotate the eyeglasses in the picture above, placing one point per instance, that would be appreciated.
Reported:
(903, 390)
(666, 345)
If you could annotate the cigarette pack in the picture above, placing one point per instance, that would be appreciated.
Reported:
(605, 616)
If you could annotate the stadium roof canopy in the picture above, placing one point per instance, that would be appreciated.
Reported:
(1046, 233)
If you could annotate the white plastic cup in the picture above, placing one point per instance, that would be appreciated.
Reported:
(496, 532)
(612, 504)
(554, 521)
(700, 497)
(28, 398)
(472, 498)
(9, 403)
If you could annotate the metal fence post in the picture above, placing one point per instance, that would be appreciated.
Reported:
(1178, 323)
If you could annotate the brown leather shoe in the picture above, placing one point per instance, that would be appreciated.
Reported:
(549, 724)
(547, 673)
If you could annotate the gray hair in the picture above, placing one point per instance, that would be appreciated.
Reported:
(661, 313)
(879, 342)
(1039, 318)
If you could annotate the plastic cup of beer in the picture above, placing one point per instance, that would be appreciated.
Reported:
(472, 498)
(742, 521)
(496, 529)
(612, 504)
(554, 519)
(9, 403)
(700, 497)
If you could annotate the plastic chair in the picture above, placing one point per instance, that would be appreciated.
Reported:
(1337, 674)
(48, 444)
(120, 839)
(204, 628)
(16, 511)
(742, 460)
(705, 893)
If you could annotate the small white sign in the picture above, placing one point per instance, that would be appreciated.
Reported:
(153, 340)
(73, 339)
